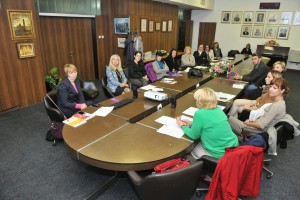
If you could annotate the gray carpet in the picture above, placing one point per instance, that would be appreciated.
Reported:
(31, 168)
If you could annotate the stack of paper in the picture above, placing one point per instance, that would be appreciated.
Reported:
(170, 127)
(77, 119)
(224, 97)
(148, 87)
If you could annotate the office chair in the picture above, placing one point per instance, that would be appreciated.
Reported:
(126, 72)
(54, 113)
(150, 72)
(178, 184)
(106, 90)
(232, 53)
(89, 89)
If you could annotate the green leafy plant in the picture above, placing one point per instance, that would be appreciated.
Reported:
(52, 78)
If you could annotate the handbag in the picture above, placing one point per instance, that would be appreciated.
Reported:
(195, 72)
(172, 165)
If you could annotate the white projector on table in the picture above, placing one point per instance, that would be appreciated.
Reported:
(158, 96)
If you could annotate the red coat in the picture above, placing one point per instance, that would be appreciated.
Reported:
(238, 173)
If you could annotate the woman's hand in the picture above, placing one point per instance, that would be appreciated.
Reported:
(181, 122)
(124, 84)
(146, 78)
(187, 122)
(247, 106)
(83, 106)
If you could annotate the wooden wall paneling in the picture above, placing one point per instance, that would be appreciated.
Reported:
(81, 46)
(207, 32)
(189, 32)
(28, 73)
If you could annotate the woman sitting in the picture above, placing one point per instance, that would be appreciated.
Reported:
(116, 79)
(70, 98)
(200, 56)
(210, 54)
(210, 126)
(137, 72)
(272, 114)
(280, 66)
(247, 50)
(187, 59)
(240, 104)
(160, 67)
(217, 51)
(172, 61)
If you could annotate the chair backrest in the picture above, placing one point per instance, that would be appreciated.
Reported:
(232, 53)
(178, 184)
(150, 72)
(55, 115)
(106, 90)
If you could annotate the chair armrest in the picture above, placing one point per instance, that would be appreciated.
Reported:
(209, 159)
(137, 179)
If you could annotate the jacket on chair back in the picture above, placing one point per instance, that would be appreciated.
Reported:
(238, 173)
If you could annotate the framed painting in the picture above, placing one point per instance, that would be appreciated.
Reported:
(121, 42)
(157, 26)
(297, 18)
(143, 25)
(164, 26)
(226, 16)
(246, 31)
(272, 17)
(260, 17)
(236, 17)
(170, 25)
(26, 50)
(286, 18)
(21, 24)
(248, 17)
(257, 31)
(270, 32)
(122, 25)
(151, 26)
(283, 32)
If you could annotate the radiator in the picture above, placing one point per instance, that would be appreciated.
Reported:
(294, 56)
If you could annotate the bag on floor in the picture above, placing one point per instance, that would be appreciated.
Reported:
(55, 132)
(172, 165)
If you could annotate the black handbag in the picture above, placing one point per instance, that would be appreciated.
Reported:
(195, 72)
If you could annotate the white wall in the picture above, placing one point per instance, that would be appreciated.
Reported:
(228, 35)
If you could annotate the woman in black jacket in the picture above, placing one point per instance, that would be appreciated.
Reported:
(137, 72)
(172, 60)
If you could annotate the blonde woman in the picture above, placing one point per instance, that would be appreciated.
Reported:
(116, 79)
(279, 66)
(70, 98)
(210, 126)
(187, 59)
(240, 104)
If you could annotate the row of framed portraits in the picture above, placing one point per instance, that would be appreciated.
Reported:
(267, 31)
(261, 17)
(122, 25)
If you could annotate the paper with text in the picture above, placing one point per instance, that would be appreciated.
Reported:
(190, 111)
(103, 111)
(174, 131)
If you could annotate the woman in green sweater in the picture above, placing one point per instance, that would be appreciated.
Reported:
(210, 125)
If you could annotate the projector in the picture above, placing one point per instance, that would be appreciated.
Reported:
(158, 96)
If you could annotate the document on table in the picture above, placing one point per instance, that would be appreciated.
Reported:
(148, 87)
(221, 107)
(187, 69)
(174, 131)
(200, 67)
(165, 120)
(224, 97)
(190, 111)
(238, 85)
(103, 111)
(157, 89)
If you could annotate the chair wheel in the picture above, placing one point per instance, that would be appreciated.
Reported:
(269, 176)
(54, 143)
(199, 194)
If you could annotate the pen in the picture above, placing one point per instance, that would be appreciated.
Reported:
(223, 98)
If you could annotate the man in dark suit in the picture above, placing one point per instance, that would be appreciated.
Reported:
(246, 32)
(248, 18)
(257, 76)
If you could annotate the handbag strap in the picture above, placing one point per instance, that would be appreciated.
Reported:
(56, 105)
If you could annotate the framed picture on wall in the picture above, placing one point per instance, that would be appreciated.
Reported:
(257, 31)
(21, 24)
(122, 25)
(157, 26)
(143, 25)
(26, 50)
(283, 32)
(226, 16)
(248, 17)
(272, 17)
(164, 26)
(151, 26)
(260, 17)
(270, 32)
(246, 31)
(236, 17)
(170, 25)
(121, 42)
(286, 18)
(297, 18)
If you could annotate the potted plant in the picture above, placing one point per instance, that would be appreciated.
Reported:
(52, 79)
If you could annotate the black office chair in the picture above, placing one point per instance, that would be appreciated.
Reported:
(126, 72)
(54, 114)
(106, 90)
(89, 89)
(178, 184)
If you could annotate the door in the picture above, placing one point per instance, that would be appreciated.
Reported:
(207, 33)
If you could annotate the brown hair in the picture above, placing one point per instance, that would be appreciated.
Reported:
(282, 84)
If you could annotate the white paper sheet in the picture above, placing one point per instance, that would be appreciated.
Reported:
(171, 131)
(183, 117)
(190, 111)
(157, 89)
(221, 107)
(103, 111)
(200, 67)
(165, 120)
(187, 69)
(148, 87)
(224, 97)
(238, 85)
